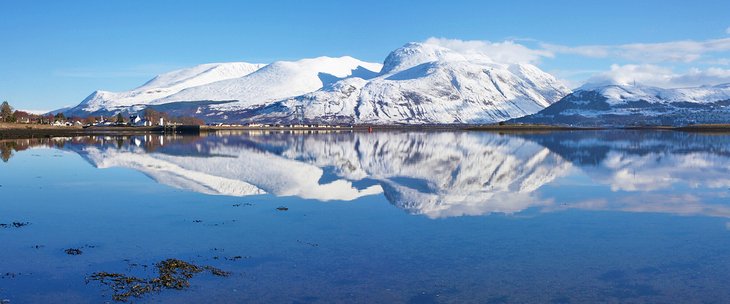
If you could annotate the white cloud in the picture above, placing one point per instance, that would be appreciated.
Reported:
(664, 77)
(573, 78)
(672, 51)
(509, 51)
(503, 52)
(36, 112)
(646, 59)
(719, 61)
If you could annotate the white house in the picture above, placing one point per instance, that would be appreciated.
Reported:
(135, 120)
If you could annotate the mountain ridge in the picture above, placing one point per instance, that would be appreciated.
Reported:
(418, 83)
(163, 85)
(637, 105)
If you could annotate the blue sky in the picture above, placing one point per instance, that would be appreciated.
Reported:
(55, 53)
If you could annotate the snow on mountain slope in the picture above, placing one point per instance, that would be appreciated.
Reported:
(279, 80)
(419, 83)
(422, 84)
(414, 53)
(453, 92)
(166, 84)
(628, 105)
(618, 94)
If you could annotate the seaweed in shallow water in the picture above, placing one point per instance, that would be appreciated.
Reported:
(122, 285)
(73, 251)
(15, 225)
(172, 274)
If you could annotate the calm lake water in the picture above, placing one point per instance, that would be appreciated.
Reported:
(465, 217)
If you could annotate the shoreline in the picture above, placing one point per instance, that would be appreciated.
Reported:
(9, 131)
(14, 131)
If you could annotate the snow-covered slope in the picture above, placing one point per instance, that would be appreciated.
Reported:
(419, 83)
(629, 105)
(425, 84)
(281, 79)
(164, 85)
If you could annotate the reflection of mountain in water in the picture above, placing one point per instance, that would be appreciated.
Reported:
(644, 161)
(436, 174)
(213, 167)
(441, 174)
(650, 171)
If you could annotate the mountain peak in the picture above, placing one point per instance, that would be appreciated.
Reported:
(416, 53)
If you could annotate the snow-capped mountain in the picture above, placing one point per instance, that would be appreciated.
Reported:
(632, 105)
(162, 86)
(418, 83)
(281, 79)
(424, 84)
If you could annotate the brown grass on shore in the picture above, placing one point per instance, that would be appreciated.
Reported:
(22, 126)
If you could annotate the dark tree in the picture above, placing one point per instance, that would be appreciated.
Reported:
(6, 111)
(188, 121)
(21, 116)
(151, 115)
(90, 120)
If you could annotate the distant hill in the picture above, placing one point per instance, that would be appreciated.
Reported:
(637, 105)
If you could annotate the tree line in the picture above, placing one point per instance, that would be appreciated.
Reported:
(154, 116)
(9, 115)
